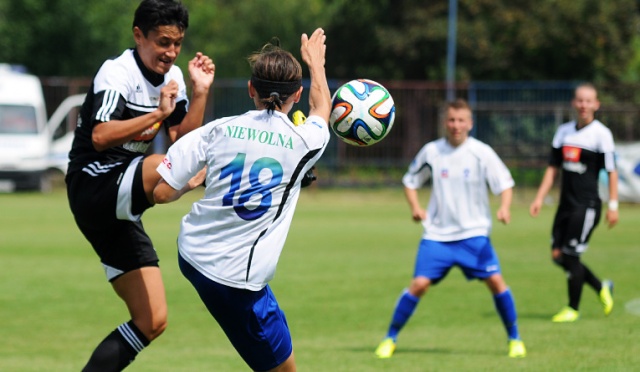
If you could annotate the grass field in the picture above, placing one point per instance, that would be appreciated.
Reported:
(348, 256)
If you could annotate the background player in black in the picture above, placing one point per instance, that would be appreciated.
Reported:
(582, 148)
(111, 180)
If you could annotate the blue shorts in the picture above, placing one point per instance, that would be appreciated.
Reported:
(475, 256)
(252, 320)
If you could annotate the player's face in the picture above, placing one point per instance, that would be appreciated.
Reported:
(586, 104)
(458, 125)
(160, 48)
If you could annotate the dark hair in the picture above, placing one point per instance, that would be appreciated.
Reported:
(275, 74)
(151, 14)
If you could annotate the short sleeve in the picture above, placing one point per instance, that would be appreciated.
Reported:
(419, 170)
(184, 159)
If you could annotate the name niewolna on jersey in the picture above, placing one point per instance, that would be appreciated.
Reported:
(261, 136)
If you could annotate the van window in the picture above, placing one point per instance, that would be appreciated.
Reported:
(18, 119)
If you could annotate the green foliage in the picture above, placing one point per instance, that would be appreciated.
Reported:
(378, 39)
(348, 256)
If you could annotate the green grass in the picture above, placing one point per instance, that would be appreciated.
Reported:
(348, 256)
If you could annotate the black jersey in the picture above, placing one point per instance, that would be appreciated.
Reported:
(123, 89)
(582, 153)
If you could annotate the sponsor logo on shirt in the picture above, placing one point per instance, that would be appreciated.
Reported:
(571, 156)
(148, 133)
(136, 146)
(261, 136)
(570, 153)
(574, 167)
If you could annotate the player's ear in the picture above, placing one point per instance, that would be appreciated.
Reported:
(251, 89)
(298, 95)
(138, 35)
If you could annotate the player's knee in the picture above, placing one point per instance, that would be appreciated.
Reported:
(154, 326)
(419, 286)
(558, 261)
(557, 257)
(157, 328)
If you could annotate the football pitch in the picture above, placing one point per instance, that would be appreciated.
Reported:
(348, 256)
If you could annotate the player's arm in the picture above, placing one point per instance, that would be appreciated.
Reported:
(504, 211)
(417, 212)
(545, 186)
(202, 72)
(117, 132)
(313, 50)
(612, 210)
(163, 192)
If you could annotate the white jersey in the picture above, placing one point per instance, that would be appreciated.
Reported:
(459, 204)
(234, 235)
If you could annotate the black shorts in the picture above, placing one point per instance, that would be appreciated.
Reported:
(107, 201)
(572, 229)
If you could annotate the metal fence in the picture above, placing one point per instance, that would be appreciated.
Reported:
(518, 119)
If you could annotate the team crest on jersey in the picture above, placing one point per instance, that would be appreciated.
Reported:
(571, 154)
(444, 173)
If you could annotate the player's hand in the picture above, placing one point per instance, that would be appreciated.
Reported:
(504, 215)
(418, 214)
(612, 218)
(534, 208)
(168, 95)
(313, 48)
(202, 71)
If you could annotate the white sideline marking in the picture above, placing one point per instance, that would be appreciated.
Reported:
(633, 306)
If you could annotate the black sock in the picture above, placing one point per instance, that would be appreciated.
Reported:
(575, 270)
(592, 280)
(117, 350)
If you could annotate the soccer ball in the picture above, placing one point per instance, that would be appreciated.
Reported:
(362, 112)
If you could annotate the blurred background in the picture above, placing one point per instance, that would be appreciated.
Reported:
(517, 62)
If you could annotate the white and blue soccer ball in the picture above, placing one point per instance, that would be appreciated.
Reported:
(362, 112)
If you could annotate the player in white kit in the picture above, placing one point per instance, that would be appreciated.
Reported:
(230, 242)
(458, 222)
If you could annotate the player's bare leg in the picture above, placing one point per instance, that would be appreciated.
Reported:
(143, 292)
(288, 365)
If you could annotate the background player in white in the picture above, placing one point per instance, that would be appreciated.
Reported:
(582, 148)
(230, 242)
(110, 180)
(458, 221)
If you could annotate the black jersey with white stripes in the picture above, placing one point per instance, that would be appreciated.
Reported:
(123, 89)
(582, 153)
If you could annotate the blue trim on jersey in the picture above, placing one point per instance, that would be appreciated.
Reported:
(475, 257)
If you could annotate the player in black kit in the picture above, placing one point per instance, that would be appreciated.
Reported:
(111, 179)
(581, 148)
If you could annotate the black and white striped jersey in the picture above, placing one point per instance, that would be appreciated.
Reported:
(123, 89)
(581, 153)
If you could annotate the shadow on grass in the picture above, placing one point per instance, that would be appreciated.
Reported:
(424, 350)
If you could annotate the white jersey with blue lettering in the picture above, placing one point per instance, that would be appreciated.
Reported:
(234, 235)
(459, 204)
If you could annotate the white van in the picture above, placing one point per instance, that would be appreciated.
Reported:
(27, 139)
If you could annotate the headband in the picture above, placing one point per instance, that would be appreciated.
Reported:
(266, 87)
